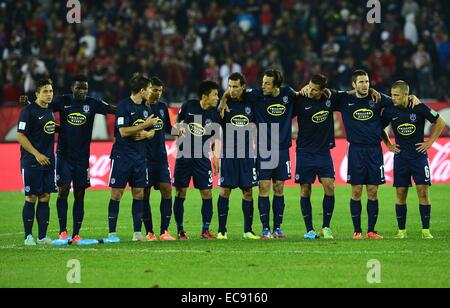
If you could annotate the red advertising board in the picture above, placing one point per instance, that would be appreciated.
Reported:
(11, 180)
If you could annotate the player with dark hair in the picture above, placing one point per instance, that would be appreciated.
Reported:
(129, 156)
(411, 159)
(35, 133)
(158, 166)
(315, 140)
(77, 113)
(237, 164)
(197, 119)
(273, 106)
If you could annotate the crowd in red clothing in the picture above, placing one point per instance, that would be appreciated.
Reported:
(184, 41)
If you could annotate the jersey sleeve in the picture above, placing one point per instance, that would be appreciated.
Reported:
(386, 101)
(429, 114)
(336, 99)
(182, 113)
(24, 122)
(168, 122)
(386, 118)
(101, 107)
(57, 103)
(122, 116)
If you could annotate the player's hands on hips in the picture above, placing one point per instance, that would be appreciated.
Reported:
(42, 159)
(424, 146)
(23, 100)
(394, 148)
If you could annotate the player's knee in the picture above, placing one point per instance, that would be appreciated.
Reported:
(356, 192)
(264, 189)
(79, 193)
(225, 193)
(402, 195)
(63, 192)
(166, 191)
(116, 194)
(44, 198)
(31, 199)
(181, 193)
(278, 189)
(206, 194)
(138, 194)
(247, 195)
(306, 191)
(424, 196)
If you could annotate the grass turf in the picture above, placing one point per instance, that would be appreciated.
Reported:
(235, 263)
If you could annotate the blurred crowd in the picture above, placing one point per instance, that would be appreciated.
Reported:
(184, 41)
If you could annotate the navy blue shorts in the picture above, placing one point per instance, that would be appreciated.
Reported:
(158, 173)
(313, 165)
(238, 173)
(197, 168)
(38, 181)
(72, 172)
(365, 165)
(405, 169)
(123, 172)
(280, 172)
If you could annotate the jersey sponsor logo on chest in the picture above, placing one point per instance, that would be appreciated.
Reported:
(406, 129)
(276, 110)
(363, 114)
(320, 117)
(197, 129)
(49, 127)
(159, 125)
(76, 119)
(240, 121)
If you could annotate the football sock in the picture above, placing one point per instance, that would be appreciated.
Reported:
(166, 214)
(278, 211)
(138, 213)
(147, 217)
(264, 211)
(305, 204)
(425, 214)
(28, 218)
(42, 217)
(247, 209)
(78, 216)
(178, 211)
(328, 209)
(61, 207)
(356, 210)
(372, 213)
(113, 214)
(207, 213)
(222, 209)
(402, 211)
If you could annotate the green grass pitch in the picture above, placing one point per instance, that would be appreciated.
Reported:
(234, 263)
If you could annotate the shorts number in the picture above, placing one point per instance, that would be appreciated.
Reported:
(210, 177)
(427, 172)
(255, 175)
(382, 172)
(288, 164)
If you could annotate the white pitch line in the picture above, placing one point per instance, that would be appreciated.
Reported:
(250, 251)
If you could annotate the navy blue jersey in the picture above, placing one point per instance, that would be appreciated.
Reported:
(77, 121)
(129, 114)
(38, 125)
(362, 117)
(238, 130)
(315, 124)
(199, 128)
(408, 125)
(156, 147)
(274, 110)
